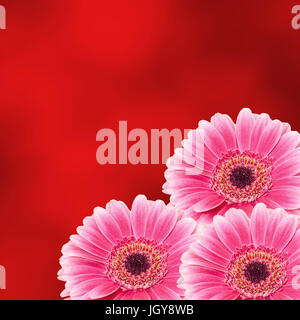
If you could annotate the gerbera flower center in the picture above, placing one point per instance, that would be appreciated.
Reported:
(242, 177)
(137, 263)
(256, 272)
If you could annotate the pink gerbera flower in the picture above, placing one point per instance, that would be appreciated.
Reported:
(118, 254)
(223, 165)
(237, 257)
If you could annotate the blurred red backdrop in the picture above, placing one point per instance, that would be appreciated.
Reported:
(69, 68)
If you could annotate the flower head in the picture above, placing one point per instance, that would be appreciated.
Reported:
(223, 165)
(237, 257)
(123, 254)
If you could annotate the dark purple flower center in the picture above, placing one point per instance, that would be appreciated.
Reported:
(241, 177)
(136, 263)
(256, 272)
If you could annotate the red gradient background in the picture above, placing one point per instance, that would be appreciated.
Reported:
(71, 67)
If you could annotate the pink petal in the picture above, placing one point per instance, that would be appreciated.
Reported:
(227, 233)
(260, 124)
(84, 287)
(87, 246)
(71, 250)
(171, 283)
(293, 181)
(259, 224)
(119, 295)
(289, 141)
(289, 292)
(280, 296)
(285, 127)
(121, 214)
(294, 260)
(207, 217)
(289, 166)
(209, 256)
(128, 295)
(197, 201)
(155, 209)
(164, 293)
(191, 258)
(193, 154)
(294, 244)
(193, 290)
(226, 128)
(268, 202)
(195, 147)
(164, 224)
(175, 256)
(287, 198)
(69, 262)
(139, 215)
(212, 138)
(65, 293)
(133, 295)
(240, 223)
(142, 295)
(152, 294)
(183, 229)
(92, 286)
(76, 280)
(92, 233)
(93, 242)
(181, 195)
(80, 269)
(179, 180)
(284, 232)
(244, 126)
(217, 291)
(181, 243)
(204, 263)
(201, 202)
(193, 274)
(107, 225)
(270, 137)
(208, 238)
(226, 295)
(274, 221)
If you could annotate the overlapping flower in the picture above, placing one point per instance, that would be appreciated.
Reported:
(122, 254)
(223, 165)
(240, 257)
(241, 183)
